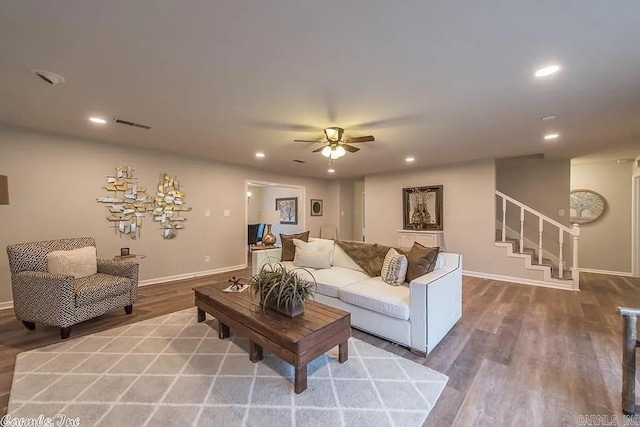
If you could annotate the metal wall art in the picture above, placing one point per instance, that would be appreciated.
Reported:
(422, 208)
(169, 205)
(128, 204)
(586, 206)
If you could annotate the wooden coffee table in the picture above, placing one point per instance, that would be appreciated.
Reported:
(297, 340)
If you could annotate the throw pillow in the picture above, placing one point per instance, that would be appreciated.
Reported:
(394, 268)
(77, 262)
(311, 255)
(422, 260)
(288, 248)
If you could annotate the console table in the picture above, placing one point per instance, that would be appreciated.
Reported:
(406, 238)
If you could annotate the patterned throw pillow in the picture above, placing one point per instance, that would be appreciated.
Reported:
(394, 268)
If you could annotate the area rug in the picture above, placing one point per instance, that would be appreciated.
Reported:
(173, 371)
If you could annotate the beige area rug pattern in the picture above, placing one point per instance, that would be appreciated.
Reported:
(173, 371)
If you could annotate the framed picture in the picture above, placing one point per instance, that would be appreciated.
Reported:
(316, 207)
(586, 206)
(124, 251)
(288, 207)
(422, 208)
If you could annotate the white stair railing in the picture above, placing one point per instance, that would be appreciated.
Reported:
(573, 232)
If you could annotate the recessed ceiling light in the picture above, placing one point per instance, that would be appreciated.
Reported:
(545, 118)
(259, 154)
(547, 71)
(410, 159)
(331, 170)
(97, 120)
(550, 136)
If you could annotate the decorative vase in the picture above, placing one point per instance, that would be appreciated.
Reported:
(293, 311)
(268, 239)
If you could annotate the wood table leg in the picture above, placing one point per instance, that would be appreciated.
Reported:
(202, 315)
(223, 330)
(255, 352)
(343, 352)
(300, 382)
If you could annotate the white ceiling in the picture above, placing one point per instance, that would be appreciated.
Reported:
(444, 81)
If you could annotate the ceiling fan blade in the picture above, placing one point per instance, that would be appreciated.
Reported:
(263, 124)
(304, 140)
(318, 150)
(368, 138)
(350, 148)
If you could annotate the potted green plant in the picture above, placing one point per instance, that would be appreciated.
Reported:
(281, 290)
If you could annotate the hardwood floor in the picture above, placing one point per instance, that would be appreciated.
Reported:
(521, 355)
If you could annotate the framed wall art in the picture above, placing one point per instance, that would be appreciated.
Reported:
(586, 206)
(422, 208)
(316, 207)
(288, 207)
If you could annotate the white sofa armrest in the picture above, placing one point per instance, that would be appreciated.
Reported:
(436, 303)
(264, 256)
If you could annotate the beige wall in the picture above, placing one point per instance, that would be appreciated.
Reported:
(469, 213)
(345, 231)
(55, 180)
(358, 209)
(606, 243)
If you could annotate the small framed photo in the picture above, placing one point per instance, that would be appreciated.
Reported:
(124, 251)
(316, 207)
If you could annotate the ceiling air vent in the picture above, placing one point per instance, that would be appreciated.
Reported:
(48, 77)
(128, 123)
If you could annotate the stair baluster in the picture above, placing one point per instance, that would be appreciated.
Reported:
(504, 219)
(540, 228)
(561, 256)
(521, 229)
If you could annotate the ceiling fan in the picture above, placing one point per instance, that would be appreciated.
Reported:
(336, 147)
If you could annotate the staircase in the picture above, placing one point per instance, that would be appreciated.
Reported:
(537, 253)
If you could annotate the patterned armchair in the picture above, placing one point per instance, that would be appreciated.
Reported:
(63, 301)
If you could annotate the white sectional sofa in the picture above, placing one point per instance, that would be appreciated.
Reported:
(416, 315)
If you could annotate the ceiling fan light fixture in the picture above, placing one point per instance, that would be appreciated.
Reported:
(334, 134)
(340, 151)
(326, 151)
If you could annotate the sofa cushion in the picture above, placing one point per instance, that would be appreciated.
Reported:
(323, 244)
(305, 273)
(311, 255)
(394, 268)
(288, 248)
(331, 280)
(375, 295)
(78, 263)
(98, 287)
(341, 259)
(422, 260)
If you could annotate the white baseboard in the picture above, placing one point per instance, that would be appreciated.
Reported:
(184, 276)
(612, 273)
(567, 287)
(9, 304)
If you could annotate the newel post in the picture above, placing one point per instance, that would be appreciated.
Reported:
(575, 273)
